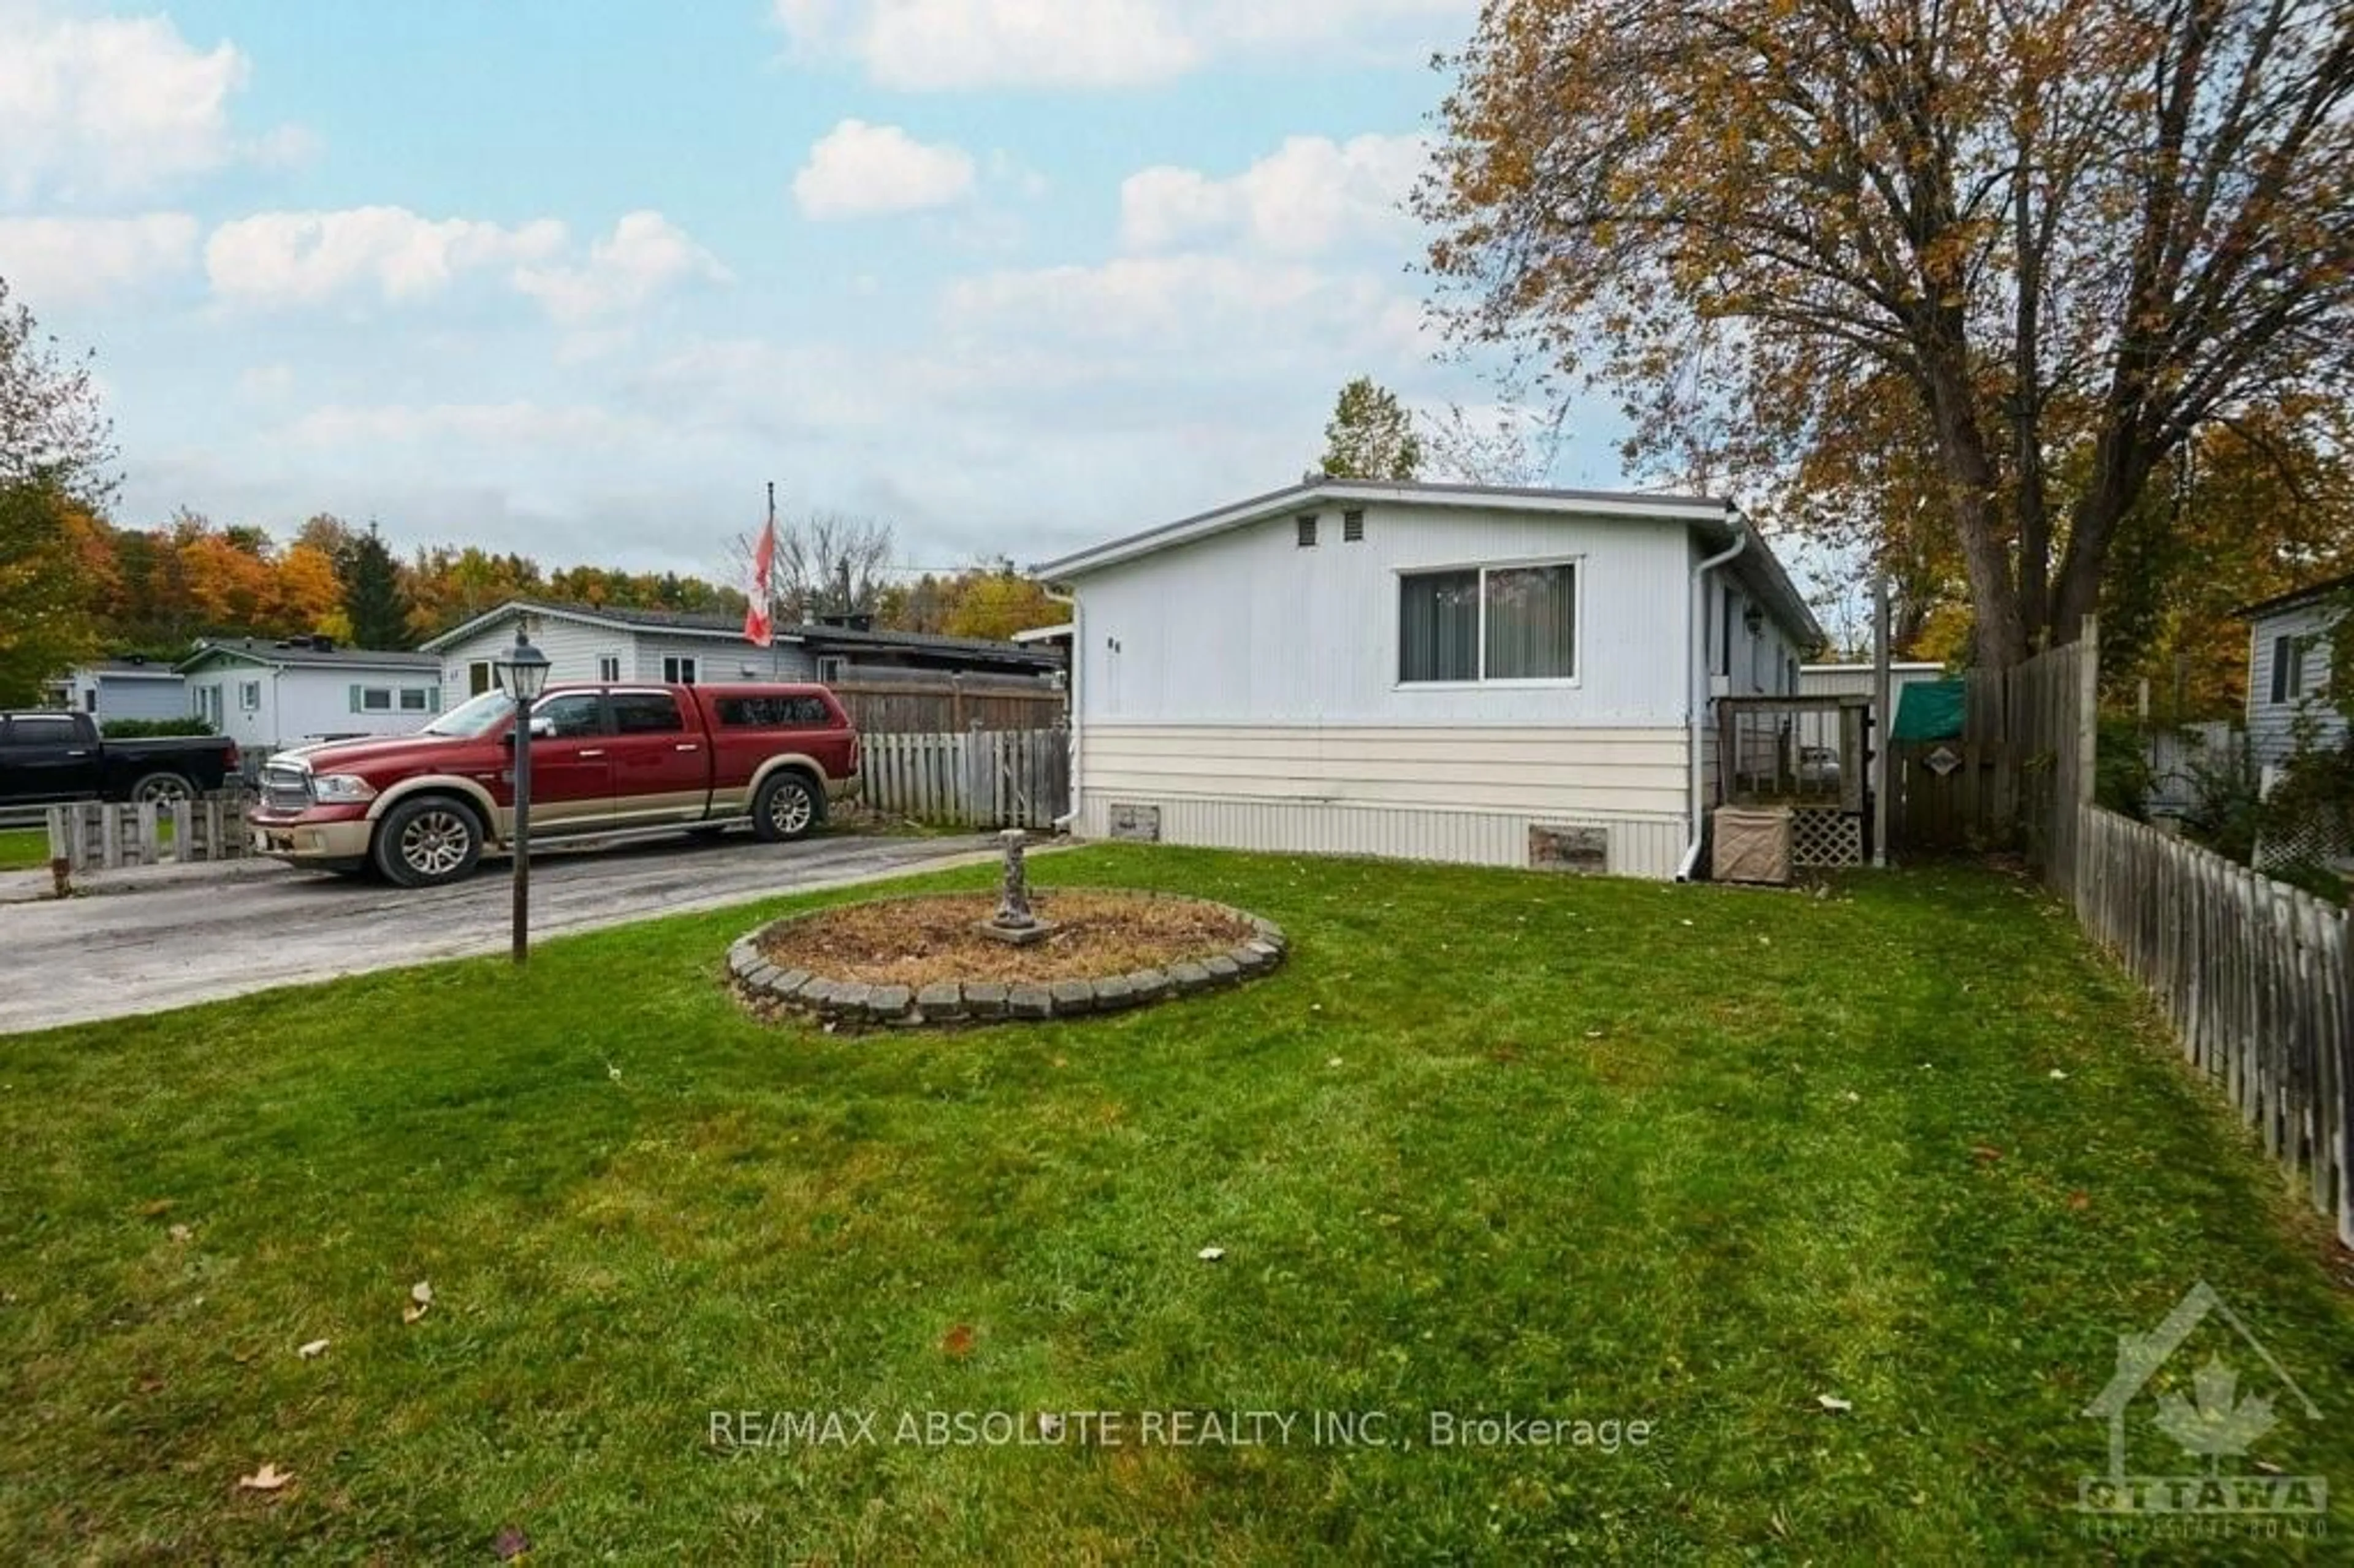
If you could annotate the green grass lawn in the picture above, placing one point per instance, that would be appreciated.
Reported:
(22, 848)
(1490, 1143)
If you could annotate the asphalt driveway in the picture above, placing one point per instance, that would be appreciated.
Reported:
(178, 940)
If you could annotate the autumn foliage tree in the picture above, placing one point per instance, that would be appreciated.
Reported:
(2047, 226)
(1370, 434)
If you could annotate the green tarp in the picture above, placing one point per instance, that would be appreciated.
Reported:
(1929, 710)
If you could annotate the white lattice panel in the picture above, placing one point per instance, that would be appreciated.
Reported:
(1826, 838)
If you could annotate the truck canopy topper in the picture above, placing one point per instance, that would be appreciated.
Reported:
(48, 756)
(422, 809)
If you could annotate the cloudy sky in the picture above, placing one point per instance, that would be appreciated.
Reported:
(578, 278)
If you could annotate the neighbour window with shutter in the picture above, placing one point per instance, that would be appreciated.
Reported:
(609, 666)
(1499, 623)
(478, 677)
(1352, 527)
(248, 695)
(371, 699)
(415, 700)
(678, 670)
(1308, 532)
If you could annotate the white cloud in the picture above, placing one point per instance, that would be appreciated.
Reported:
(503, 425)
(55, 261)
(646, 255)
(103, 106)
(1310, 195)
(1244, 311)
(931, 45)
(858, 169)
(310, 257)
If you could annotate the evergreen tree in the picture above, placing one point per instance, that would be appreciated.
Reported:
(374, 600)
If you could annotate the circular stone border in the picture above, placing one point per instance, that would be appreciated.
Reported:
(949, 1001)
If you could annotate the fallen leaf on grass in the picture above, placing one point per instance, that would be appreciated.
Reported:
(1987, 1152)
(181, 1233)
(2079, 1201)
(957, 1342)
(2058, 1073)
(510, 1543)
(1211, 1253)
(314, 1348)
(421, 1302)
(1833, 1404)
(268, 1478)
(156, 1208)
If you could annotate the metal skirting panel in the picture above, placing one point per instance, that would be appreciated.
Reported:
(1639, 846)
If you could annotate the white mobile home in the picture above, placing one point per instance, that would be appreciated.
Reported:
(1422, 671)
(1860, 680)
(269, 695)
(114, 689)
(2288, 669)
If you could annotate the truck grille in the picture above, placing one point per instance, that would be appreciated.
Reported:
(285, 788)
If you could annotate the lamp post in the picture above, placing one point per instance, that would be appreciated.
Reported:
(523, 675)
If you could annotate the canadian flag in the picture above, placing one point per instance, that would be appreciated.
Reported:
(759, 629)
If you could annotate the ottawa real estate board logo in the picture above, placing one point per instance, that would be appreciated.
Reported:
(2168, 1390)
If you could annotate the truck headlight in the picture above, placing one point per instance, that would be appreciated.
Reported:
(342, 789)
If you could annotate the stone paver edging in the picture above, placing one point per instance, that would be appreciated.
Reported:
(953, 1000)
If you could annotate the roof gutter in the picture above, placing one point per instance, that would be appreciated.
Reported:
(1698, 650)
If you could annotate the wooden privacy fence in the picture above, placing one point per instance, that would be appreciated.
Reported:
(980, 778)
(949, 707)
(2253, 974)
(1949, 797)
(93, 835)
(2036, 720)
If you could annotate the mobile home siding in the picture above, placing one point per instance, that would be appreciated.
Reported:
(106, 695)
(572, 650)
(2271, 724)
(1246, 688)
(297, 705)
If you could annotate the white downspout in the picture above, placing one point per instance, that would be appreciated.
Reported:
(1697, 686)
(1079, 647)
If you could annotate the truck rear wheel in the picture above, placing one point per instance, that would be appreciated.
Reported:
(162, 788)
(786, 807)
(427, 842)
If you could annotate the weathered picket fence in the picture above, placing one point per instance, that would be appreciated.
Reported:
(94, 835)
(2256, 977)
(981, 779)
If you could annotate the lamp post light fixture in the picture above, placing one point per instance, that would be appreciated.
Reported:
(523, 675)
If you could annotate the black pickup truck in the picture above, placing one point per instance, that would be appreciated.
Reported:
(46, 756)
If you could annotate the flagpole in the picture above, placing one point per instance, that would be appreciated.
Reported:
(775, 673)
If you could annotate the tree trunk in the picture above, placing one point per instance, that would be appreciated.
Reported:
(2002, 633)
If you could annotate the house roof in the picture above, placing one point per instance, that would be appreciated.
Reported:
(131, 669)
(1715, 519)
(2293, 597)
(297, 655)
(730, 628)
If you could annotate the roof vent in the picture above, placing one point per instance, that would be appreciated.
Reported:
(323, 643)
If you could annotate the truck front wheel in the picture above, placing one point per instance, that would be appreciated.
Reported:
(427, 842)
(785, 808)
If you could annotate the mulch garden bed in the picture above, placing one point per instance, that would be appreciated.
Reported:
(912, 941)
(923, 961)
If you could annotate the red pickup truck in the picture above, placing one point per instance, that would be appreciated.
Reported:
(422, 809)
